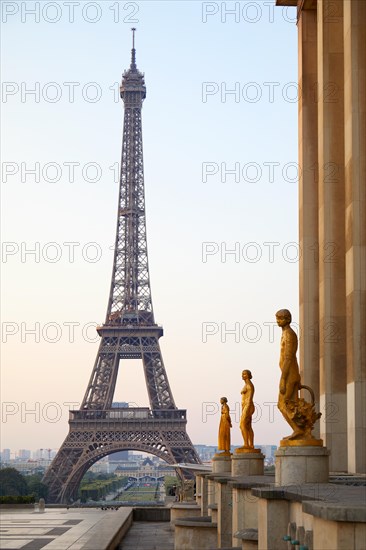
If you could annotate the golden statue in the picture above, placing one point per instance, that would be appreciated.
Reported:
(224, 428)
(247, 410)
(299, 413)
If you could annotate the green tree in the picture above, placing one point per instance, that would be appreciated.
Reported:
(12, 483)
(36, 487)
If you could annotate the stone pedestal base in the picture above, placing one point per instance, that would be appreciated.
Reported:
(195, 533)
(221, 463)
(296, 465)
(247, 463)
(181, 510)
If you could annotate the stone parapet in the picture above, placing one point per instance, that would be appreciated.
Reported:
(337, 511)
(329, 516)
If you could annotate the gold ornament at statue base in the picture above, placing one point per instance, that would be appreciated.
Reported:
(301, 442)
(245, 449)
(224, 453)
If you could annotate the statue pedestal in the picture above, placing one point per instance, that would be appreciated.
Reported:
(247, 462)
(221, 463)
(301, 463)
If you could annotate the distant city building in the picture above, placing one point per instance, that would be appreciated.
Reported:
(101, 467)
(29, 467)
(5, 455)
(137, 457)
(269, 453)
(268, 450)
(24, 454)
(118, 457)
(145, 470)
(43, 454)
(205, 452)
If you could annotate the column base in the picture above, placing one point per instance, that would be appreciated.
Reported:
(301, 464)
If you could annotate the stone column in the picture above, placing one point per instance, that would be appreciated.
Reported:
(245, 513)
(308, 203)
(224, 514)
(204, 496)
(198, 479)
(273, 517)
(332, 302)
(211, 493)
(355, 176)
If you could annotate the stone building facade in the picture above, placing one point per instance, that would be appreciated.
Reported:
(332, 229)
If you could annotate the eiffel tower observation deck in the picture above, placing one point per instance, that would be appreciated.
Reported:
(129, 332)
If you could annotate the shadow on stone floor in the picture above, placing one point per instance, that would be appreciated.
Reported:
(149, 536)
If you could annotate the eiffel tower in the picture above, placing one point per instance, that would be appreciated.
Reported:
(129, 332)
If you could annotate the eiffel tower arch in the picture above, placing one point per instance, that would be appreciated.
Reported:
(129, 332)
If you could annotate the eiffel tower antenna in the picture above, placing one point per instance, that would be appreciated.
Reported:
(133, 51)
(129, 332)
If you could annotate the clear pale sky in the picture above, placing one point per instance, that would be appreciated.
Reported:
(193, 54)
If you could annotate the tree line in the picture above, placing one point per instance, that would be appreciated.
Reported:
(16, 488)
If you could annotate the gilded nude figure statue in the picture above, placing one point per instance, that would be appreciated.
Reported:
(297, 412)
(247, 410)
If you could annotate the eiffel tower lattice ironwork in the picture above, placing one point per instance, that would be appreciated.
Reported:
(129, 332)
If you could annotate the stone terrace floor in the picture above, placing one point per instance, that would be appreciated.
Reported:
(59, 528)
(149, 535)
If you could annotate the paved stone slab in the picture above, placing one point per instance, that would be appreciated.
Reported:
(61, 529)
(149, 536)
